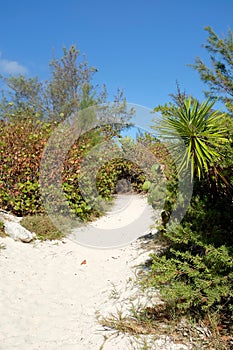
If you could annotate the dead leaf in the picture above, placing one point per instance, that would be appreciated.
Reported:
(225, 337)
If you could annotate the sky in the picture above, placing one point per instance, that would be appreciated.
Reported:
(141, 47)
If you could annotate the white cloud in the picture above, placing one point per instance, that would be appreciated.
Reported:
(11, 67)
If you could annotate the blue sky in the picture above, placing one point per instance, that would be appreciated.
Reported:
(142, 47)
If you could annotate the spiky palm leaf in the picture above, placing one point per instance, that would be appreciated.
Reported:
(198, 128)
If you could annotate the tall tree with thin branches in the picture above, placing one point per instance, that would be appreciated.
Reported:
(219, 74)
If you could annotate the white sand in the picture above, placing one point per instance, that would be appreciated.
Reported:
(49, 299)
(130, 218)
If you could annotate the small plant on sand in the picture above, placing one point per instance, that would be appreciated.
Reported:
(2, 231)
(42, 226)
(2, 234)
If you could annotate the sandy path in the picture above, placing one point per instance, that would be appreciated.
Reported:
(48, 298)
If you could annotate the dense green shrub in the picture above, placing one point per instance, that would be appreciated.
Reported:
(115, 170)
(21, 147)
(194, 274)
(195, 271)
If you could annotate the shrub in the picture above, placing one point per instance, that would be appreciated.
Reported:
(195, 271)
(2, 231)
(42, 226)
(21, 147)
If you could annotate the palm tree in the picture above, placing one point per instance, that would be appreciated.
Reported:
(198, 127)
